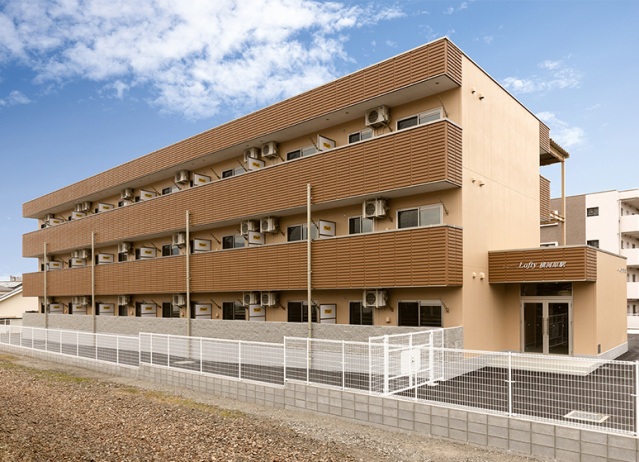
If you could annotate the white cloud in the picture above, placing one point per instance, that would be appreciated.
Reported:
(196, 56)
(567, 136)
(557, 75)
(15, 98)
(452, 9)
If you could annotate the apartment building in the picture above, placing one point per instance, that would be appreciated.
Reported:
(407, 193)
(606, 220)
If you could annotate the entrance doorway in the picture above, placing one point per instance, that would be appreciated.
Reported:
(547, 326)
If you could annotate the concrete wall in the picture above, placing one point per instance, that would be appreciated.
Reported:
(273, 332)
(520, 436)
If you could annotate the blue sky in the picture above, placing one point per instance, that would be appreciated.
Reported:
(86, 85)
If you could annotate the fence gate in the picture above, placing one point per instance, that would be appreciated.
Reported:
(403, 362)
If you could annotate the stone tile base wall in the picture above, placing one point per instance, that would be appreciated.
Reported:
(526, 437)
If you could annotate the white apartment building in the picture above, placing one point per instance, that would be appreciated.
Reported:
(608, 220)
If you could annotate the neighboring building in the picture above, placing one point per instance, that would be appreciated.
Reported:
(12, 303)
(418, 174)
(606, 220)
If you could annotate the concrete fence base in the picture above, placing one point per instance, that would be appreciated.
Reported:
(520, 436)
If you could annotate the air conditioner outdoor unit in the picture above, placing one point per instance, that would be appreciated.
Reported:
(182, 176)
(179, 300)
(268, 298)
(377, 116)
(83, 206)
(269, 225)
(375, 208)
(375, 298)
(251, 298)
(269, 149)
(84, 253)
(179, 238)
(249, 225)
(124, 300)
(126, 194)
(124, 247)
(251, 153)
(81, 301)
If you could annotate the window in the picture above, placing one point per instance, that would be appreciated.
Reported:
(298, 233)
(549, 244)
(169, 310)
(419, 314)
(123, 310)
(233, 242)
(233, 311)
(423, 118)
(168, 250)
(360, 314)
(232, 172)
(357, 225)
(123, 256)
(298, 312)
(421, 216)
(360, 136)
(593, 243)
(302, 152)
(592, 212)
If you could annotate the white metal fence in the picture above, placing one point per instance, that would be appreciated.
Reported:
(257, 361)
(578, 392)
(117, 349)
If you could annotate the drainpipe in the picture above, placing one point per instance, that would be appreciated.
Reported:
(188, 275)
(45, 261)
(93, 279)
(563, 201)
(308, 261)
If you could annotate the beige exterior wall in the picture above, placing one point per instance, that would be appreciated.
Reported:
(611, 301)
(13, 306)
(500, 197)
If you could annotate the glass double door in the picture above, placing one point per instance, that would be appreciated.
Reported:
(547, 326)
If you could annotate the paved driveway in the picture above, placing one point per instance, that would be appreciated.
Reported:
(633, 349)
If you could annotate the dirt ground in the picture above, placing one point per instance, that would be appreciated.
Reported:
(52, 412)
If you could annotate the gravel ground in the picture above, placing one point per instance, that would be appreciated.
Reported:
(52, 412)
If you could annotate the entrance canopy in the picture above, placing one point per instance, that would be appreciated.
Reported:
(570, 263)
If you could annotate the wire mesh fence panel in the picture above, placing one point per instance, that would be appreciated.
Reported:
(159, 350)
(220, 357)
(39, 337)
(467, 381)
(296, 356)
(106, 348)
(184, 353)
(582, 392)
(129, 351)
(145, 348)
(69, 343)
(261, 362)
(86, 345)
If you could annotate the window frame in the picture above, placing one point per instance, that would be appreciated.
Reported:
(361, 219)
(360, 135)
(314, 233)
(592, 211)
(234, 310)
(593, 243)
(419, 210)
(360, 313)
(420, 118)
(420, 316)
(235, 241)
(303, 312)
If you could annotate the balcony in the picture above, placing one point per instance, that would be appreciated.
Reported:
(633, 291)
(632, 256)
(424, 158)
(416, 257)
(629, 225)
